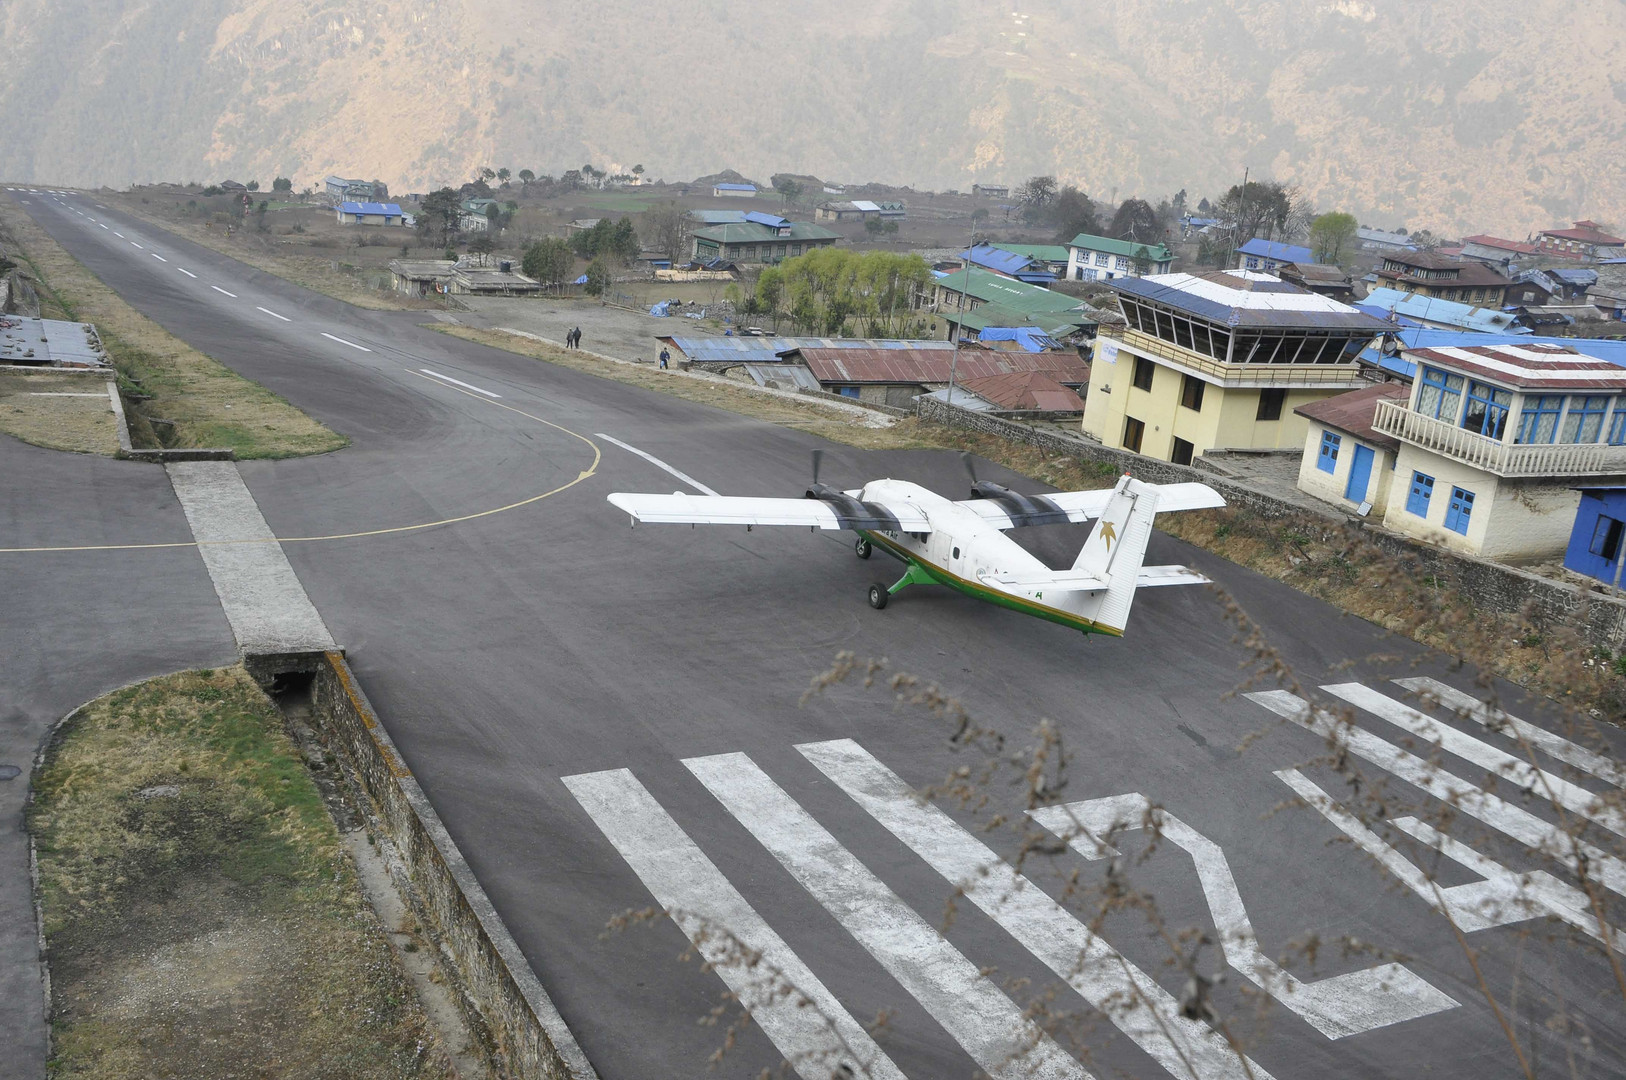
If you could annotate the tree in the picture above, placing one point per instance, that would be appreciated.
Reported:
(1037, 192)
(440, 214)
(1137, 221)
(549, 261)
(503, 174)
(482, 244)
(789, 190)
(827, 289)
(1071, 213)
(598, 277)
(669, 229)
(1203, 209)
(526, 176)
(624, 244)
(282, 185)
(1331, 234)
(488, 174)
(638, 170)
(1263, 209)
(572, 179)
(494, 218)
(381, 191)
(979, 217)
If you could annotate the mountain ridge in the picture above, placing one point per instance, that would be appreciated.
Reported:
(1460, 119)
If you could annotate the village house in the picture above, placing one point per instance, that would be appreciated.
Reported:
(1586, 240)
(896, 376)
(1495, 250)
(1595, 547)
(1101, 258)
(1411, 309)
(1319, 278)
(1267, 255)
(339, 189)
(761, 239)
(1053, 257)
(1495, 441)
(1347, 462)
(1219, 360)
(858, 210)
(1429, 274)
(734, 191)
(971, 299)
(369, 213)
(1379, 240)
(472, 275)
(991, 191)
(474, 215)
(1009, 264)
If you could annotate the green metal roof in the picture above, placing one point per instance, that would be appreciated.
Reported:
(1019, 296)
(1051, 322)
(1043, 252)
(749, 232)
(1155, 252)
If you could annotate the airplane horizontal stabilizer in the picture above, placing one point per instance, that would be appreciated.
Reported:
(685, 509)
(1169, 575)
(1055, 579)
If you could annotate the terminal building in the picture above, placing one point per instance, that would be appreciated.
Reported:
(1219, 360)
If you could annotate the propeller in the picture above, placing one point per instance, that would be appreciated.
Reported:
(970, 466)
(818, 460)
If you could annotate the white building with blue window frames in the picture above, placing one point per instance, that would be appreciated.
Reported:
(1494, 443)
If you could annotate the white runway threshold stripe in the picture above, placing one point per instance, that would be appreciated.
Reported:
(459, 382)
(1130, 998)
(657, 462)
(1467, 798)
(992, 1029)
(786, 1000)
(264, 602)
(341, 341)
(1336, 1006)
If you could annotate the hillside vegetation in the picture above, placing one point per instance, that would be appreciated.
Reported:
(1479, 114)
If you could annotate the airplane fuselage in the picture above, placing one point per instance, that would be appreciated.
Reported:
(966, 553)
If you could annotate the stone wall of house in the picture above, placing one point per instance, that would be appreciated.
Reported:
(1600, 619)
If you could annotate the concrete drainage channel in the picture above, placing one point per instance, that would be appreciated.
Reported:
(410, 859)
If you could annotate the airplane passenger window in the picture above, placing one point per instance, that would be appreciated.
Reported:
(956, 553)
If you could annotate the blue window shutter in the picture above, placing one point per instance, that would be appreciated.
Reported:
(1422, 489)
(1459, 511)
(1327, 459)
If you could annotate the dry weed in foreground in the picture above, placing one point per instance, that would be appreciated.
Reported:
(200, 916)
(194, 401)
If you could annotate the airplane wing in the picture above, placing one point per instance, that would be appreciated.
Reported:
(1012, 509)
(739, 510)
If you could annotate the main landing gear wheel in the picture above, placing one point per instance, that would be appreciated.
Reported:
(878, 596)
(861, 548)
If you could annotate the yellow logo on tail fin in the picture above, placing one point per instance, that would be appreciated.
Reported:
(1109, 533)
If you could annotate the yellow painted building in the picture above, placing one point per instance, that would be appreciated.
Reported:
(1219, 360)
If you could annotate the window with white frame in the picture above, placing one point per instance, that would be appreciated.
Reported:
(1538, 422)
(1440, 395)
(1103, 259)
(1583, 423)
(1122, 264)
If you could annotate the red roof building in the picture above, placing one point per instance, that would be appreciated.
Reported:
(1586, 240)
(1030, 391)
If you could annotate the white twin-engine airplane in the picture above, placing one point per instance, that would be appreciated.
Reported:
(963, 545)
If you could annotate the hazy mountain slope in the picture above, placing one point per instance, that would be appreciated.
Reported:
(1476, 114)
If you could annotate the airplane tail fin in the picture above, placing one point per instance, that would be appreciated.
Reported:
(1116, 548)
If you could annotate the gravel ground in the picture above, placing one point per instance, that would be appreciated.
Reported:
(615, 331)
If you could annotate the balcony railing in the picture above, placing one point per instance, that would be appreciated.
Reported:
(1495, 456)
(1302, 376)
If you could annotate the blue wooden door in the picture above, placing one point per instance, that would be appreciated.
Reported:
(1360, 474)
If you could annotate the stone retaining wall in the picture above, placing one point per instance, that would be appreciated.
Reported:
(1600, 619)
(528, 1032)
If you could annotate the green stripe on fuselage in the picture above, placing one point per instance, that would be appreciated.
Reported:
(982, 592)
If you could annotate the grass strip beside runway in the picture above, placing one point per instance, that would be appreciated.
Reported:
(195, 400)
(201, 916)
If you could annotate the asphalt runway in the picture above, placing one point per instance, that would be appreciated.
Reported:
(550, 641)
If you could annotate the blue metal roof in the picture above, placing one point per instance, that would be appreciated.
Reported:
(735, 187)
(1269, 249)
(999, 260)
(1608, 349)
(1031, 338)
(773, 221)
(1574, 277)
(389, 209)
(1409, 309)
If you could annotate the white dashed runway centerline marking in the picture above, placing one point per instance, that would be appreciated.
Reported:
(218, 289)
(185, 271)
(456, 382)
(353, 345)
(273, 314)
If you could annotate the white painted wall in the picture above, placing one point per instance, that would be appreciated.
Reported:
(1329, 487)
